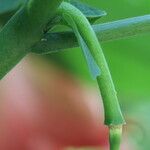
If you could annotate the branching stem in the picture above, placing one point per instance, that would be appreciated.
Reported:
(105, 32)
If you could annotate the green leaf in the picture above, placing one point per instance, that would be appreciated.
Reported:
(93, 67)
(92, 14)
(10, 5)
(22, 31)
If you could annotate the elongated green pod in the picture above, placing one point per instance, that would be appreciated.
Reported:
(113, 115)
(23, 30)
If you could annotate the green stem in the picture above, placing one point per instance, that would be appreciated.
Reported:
(105, 32)
(23, 30)
(114, 137)
(113, 115)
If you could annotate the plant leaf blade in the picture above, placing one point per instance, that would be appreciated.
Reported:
(91, 13)
(9, 5)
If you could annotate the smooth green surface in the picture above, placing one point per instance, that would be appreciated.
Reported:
(23, 30)
(81, 27)
(92, 65)
(105, 32)
(115, 135)
(113, 115)
(10, 5)
(91, 13)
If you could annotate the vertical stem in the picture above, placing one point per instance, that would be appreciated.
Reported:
(115, 133)
(113, 115)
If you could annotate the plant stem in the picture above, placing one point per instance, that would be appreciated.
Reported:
(105, 32)
(113, 115)
(23, 30)
(114, 137)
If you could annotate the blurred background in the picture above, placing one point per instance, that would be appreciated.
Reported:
(51, 101)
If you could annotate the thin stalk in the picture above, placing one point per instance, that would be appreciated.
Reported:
(114, 137)
(23, 30)
(113, 115)
(105, 32)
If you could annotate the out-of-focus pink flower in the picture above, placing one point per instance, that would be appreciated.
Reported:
(47, 109)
